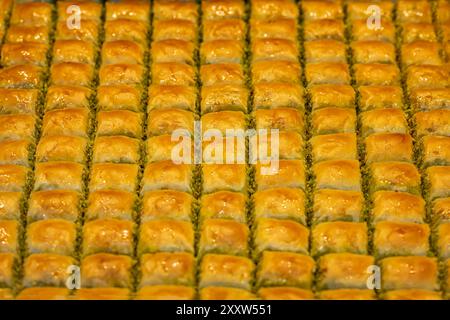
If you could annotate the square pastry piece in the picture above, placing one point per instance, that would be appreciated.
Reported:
(338, 174)
(337, 205)
(167, 204)
(166, 235)
(395, 176)
(104, 270)
(223, 236)
(344, 270)
(280, 203)
(401, 238)
(339, 236)
(223, 205)
(225, 270)
(167, 269)
(409, 273)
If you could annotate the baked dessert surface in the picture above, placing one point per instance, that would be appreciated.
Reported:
(352, 203)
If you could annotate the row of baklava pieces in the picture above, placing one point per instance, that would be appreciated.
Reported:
(435, 144)
(328, 77)
(17, 135)
(390, 142)
(334, 152)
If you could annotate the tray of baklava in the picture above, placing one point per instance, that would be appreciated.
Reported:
(225, 149)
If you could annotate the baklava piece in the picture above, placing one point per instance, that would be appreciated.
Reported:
(121, 74)
(119, 122)
(73, 51)
(223, 9)
(108, 236)
(166, 121)
(436, 150)
(377, 74)
(54, 204)
(280, 235)
(101, 294)
(116, 149)
(166, 235)
(277, 95)
(14, 152)
(10, 205)
(327, 73)
(113, 176)
(333, 120)
(174, 29)
(51, 236)
(280, 203)
(222, 205)
(60, 175)
(409, 273)
(339, 237)
(225, 270)
(344, 271)
(380, 97)
(9, 236)
(167, 175)
(67, 97)
(68, 122)
(384, 121)
(224, 177)
(334, 147)
(389, 147)
(175, 73)
(12, 178)
(280, 174)
(173, 51)
(285, 269)
(18, 101)
(167, 269)
(395, 176)
(332, 95)
(275, 71)
(337, 205)
(61, 148)
(44, 269)
(110, 204)
(338, 174)
(397, 206)
(119, 97)
(71, 74)
(435, 122)
(274, 49)
(439, 181)
(281, 119)
(373, 52)
(223, 97)
(223, 236)
(106, 270)
(401, 238)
